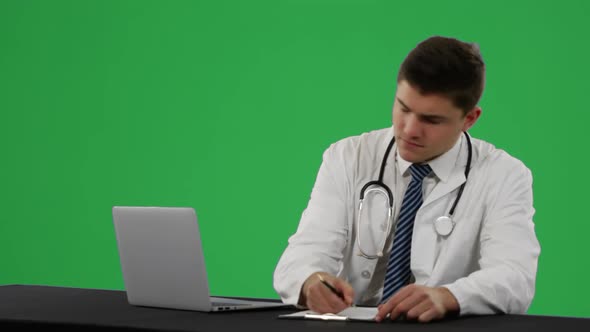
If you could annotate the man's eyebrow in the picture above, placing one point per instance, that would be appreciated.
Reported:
(403, 104)
(432, 117)
(424, 116)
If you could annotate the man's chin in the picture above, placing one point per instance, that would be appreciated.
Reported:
(411, 157)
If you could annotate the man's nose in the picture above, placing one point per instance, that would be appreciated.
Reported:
(412, 126)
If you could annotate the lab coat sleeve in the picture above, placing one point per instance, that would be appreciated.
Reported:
(509, 250)
(321, 237)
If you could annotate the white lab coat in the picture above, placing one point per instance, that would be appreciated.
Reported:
(488, 262)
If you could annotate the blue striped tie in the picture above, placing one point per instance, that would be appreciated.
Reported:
(398, 267)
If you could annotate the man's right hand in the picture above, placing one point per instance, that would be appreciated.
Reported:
(319, 298)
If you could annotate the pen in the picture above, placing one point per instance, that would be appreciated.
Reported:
(330, 287)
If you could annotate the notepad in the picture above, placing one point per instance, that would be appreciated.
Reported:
(351, 313)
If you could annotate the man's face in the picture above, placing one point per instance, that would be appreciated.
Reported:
(427, 126)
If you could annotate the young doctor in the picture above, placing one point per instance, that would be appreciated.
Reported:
(421, 219)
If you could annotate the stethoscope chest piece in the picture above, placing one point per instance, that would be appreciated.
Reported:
(444, 225)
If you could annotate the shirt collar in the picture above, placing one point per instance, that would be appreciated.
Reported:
(442, 166)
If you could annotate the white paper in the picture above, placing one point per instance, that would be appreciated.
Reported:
(350, 313)
(359, 313)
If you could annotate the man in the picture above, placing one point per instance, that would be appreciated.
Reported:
(460, 239)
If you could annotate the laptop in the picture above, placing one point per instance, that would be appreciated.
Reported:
(162, 261)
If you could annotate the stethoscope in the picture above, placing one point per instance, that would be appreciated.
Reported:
(443, 225)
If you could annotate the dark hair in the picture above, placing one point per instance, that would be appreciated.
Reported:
(446, 66)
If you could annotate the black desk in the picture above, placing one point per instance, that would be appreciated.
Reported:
(72, 308)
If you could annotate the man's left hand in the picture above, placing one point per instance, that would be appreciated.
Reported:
(419, 302)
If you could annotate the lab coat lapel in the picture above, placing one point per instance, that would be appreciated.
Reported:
(441, 189)
(425, 237)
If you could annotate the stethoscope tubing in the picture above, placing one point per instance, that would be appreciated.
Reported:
(445, 230)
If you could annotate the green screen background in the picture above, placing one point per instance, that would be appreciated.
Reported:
(227, 106)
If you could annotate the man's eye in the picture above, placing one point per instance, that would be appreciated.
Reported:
(433, 121)
(405, 110)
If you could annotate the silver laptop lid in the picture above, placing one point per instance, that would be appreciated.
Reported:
(162, 257)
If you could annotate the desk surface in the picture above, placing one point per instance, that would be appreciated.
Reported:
(42, 306)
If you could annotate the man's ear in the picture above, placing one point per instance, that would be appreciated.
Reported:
(471, 118)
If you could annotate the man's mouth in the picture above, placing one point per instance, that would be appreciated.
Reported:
(410, 143)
